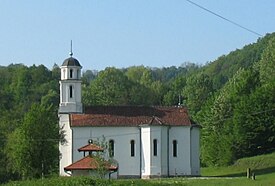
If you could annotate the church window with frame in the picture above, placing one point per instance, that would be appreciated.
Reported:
(175, 148)
(155, 147)
(71, 91)
(111, 148)
(132, 142)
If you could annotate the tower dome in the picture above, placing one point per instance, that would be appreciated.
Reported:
(71, 62)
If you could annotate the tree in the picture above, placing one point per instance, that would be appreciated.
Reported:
(104, 161)
(254, 125)
(109, 88)
(267, 63)
(88, 76)
(216, 139)
(7, 124)
(197, 90)
(254, 114)
(20, 87)
(135, 73)
(217, 119)
(32, 149)
(140, 95)
(175, 88)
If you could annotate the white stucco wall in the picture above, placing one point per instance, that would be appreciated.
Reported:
(154, 166)
(128, 166)
(156, 160)
(65, 149)
(90, 173)
(145, 151)
(67, 104)
(180, 165)
(195, 151)
(144, 164)
(164, 150)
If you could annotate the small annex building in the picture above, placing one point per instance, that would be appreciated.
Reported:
(145, 142)
(89, 164)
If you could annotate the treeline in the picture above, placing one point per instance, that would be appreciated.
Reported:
(232, 98)
(137, 85)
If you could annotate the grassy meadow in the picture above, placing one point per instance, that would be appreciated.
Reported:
(263, 167)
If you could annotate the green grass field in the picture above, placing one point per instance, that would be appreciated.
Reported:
(263, 167)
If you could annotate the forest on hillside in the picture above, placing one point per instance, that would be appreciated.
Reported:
(232, 98)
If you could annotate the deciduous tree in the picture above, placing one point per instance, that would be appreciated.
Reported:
(32, 149)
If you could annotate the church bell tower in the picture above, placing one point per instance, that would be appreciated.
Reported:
(70, 86)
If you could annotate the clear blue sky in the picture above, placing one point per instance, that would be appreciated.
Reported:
(123, 33)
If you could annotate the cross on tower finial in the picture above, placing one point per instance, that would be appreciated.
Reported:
(71, 52)
(179, 104)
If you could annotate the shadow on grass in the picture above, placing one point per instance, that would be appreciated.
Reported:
(256, 171)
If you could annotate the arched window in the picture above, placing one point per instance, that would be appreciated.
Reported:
(111, 148)
(155, 147)
(175, 148)
(71, 73)
(71, 91)
(132, 142)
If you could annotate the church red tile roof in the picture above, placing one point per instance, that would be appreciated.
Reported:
(90, 147)
(131, 116)
(87, 163)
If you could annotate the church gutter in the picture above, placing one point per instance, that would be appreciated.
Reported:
(140, 153)
(168, 149)
(72, 160)
(191, 149)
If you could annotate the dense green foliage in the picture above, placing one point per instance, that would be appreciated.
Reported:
(28, 111)
(32, 148)
(239, 119)
(232, 98)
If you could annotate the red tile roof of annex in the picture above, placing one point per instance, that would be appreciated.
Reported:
(87, 163)
(132, 116)
(90, 147)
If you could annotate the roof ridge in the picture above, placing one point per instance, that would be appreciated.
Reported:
(157, 119)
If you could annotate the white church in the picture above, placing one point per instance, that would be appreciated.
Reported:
(145, 142)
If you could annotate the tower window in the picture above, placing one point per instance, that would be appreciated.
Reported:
(78, 74)
(111, 148)
(64, 72)
(132, 142)
(71, 73)
(175, 148)
(155, 147)
(71, 91)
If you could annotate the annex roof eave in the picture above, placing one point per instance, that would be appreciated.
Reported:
(90, 147)
(87, 163)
